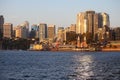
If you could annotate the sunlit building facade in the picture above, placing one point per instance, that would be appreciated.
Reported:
(21, 32)
(7, 30)
(81, 25)
(51, 32)
(60, 34)
(73, 27)
(90, 22)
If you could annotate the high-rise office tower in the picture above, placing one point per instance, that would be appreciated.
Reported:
(81, 23)
(1, 26)
(106, 20)
(42, 31)
(90, 21)
(51, 32)
(96, 26)
(21, 32)
(34, 31)
(103, 20)
(7, 30)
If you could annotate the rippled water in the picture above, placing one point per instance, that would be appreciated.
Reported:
(33, 65)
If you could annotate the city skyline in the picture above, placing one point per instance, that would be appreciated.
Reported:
(61, 13)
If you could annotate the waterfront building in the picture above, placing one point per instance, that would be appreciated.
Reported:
(51, 32)
(27, 28)
(21, 32)
(66, 30)
(7, 30)
(1, 25)
(34, 31)
(81, 23)
(36, 47)
(96, 25)
(105, 19)
(117, 33)
(60, 34)
(42, 32)
(91, 23)
(73, 27)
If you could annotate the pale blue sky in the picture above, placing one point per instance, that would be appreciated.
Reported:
(58, 12)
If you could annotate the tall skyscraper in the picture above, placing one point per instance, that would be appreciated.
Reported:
(90, 21)
(1, 26)
(7, 30)
(96, 25)
(51, 32)
(42, 31)
(81, 23)
(103, 20)
(106, 20)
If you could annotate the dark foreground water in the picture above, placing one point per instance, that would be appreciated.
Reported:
(28, 65)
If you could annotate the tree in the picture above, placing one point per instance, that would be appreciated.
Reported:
(71, 36)
(89, 37)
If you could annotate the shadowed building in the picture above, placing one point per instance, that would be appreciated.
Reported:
(90, 21)
(42, 32)
(1, 26)
(103, 20)
(34, 31)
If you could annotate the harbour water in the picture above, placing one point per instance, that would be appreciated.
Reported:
(40, 65)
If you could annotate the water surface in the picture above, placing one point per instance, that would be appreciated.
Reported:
(35, 65)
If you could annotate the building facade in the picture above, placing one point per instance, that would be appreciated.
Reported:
(51, 32)
(1, 26)
(73, 27)
(7, 30)
(61, 34)
(21, 32)
(42, 32)
(90, 22)
(34, 31)
(81, 25)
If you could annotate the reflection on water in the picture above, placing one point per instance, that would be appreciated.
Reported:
(26, 65)
(84, 68)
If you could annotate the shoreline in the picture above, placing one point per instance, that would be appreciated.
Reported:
(111, 49)
(102, 50)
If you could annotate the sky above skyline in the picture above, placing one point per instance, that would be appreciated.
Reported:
(58, 12)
